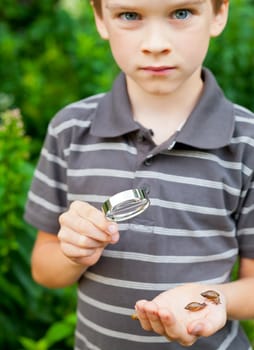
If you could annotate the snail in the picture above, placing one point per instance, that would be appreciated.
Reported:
(195, 306)
(212, 295)
(134, 316)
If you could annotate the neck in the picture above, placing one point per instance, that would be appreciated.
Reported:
(164, 113)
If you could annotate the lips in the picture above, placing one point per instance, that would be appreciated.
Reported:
(158, 70)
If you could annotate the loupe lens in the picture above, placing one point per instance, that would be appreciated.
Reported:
(125, 205)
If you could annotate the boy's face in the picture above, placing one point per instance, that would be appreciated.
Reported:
(160, 45)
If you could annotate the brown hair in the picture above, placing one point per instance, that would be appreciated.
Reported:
(97, 5)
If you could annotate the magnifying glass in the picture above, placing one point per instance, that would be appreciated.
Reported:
(126, 205)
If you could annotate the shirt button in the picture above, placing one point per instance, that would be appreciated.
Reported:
(148, 161)
(141, 138)
(146, 188)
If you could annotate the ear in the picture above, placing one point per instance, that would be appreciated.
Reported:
(220, 19)
(100, 24)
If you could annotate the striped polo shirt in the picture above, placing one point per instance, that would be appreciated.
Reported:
(201, 217)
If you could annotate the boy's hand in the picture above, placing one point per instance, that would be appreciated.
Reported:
(84, 233)
(167, 316)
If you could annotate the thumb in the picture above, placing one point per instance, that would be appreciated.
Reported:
(196, 329)
(201, 329)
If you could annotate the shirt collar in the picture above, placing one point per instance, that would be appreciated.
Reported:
(211, 123)
(209, 126)
(114, 115)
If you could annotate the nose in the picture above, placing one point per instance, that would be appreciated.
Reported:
(155, 40)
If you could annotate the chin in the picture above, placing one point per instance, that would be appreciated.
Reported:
(159, 91)
(160, 88)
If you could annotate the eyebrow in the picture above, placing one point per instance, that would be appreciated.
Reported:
(187, 3)
(177, 3)
(114, 6)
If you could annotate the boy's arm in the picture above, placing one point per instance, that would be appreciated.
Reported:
(59, 260)
(239, 294)
(50, 267)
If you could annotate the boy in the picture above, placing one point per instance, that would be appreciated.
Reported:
(165, 127)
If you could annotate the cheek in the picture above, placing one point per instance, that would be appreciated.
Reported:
(118, 54)
(122, 50)
(196, 49)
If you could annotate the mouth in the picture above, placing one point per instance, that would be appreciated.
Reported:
(158, 70)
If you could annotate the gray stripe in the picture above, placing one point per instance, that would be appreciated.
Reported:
(44, 203)
(175, 232)
(52, 158)
(83, 104)
(120, 335)
(101, 172)
(247, 210)
(51, 183)
(232, 335)
(188, 180)
(145, 286)
(88, 344)
(189, 207)
(245, 232)
(243, 139)
(173, 259)
(211, 157)
(154, 202)
(145, 174)
(91, 198)
(87, 103)
(55, 131)
(105, 307)
(244, 119)
(101, 147)
(243, 109)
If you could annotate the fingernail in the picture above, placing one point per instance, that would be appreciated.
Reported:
(112, 229)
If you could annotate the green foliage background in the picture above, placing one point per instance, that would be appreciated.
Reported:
(51, 55)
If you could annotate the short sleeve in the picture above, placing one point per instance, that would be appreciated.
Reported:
(47, 197)
(245, 222)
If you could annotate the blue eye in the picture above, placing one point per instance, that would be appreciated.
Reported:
(129, 16)
(182, 14)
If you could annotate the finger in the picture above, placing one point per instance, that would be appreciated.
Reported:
(75, 223)
(171, 329)
(95, 216)
(196, 329)
(72, 234)
(78, 240)
(76, 252)
(141, 314)
(166, 317)
(202, 328)
(170, 326)
(175, 330)
(151, 310)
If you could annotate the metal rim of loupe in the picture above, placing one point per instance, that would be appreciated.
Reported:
(126, 205)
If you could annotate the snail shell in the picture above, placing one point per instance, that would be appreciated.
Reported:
(212, 295)
(134, 316)
(195, 306)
